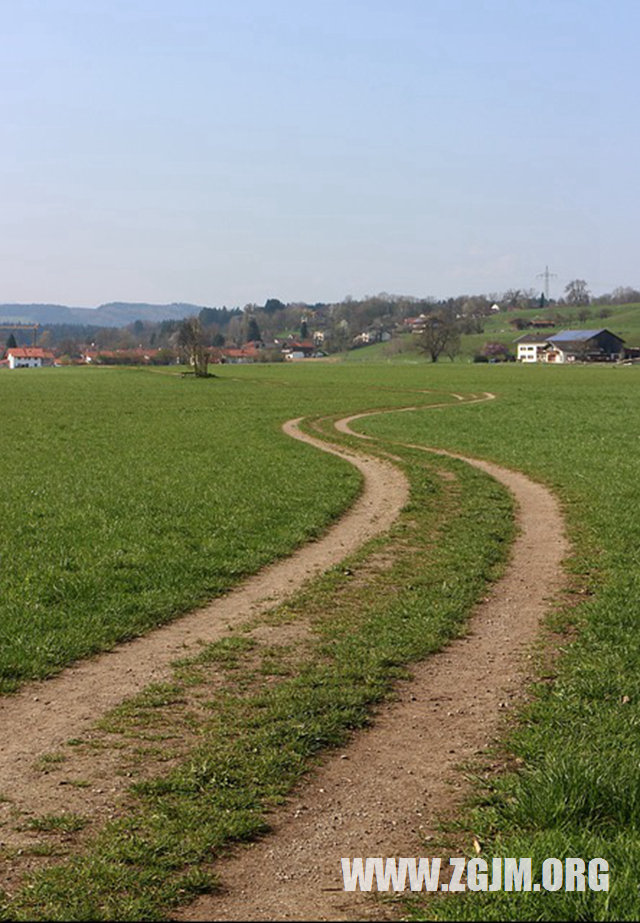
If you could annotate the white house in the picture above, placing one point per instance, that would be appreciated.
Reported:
(531, 347)
(28, 357)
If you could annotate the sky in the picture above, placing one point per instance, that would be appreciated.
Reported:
(229, 151)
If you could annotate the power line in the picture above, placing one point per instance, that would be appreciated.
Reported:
(546, 275)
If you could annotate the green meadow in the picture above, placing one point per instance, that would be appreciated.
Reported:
(129, 496)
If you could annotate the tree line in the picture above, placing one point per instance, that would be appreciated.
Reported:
(338, 323)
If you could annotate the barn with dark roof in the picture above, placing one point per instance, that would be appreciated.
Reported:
(584, 346)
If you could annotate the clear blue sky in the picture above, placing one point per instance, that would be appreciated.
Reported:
(227, 151)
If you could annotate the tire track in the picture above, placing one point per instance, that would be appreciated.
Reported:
(384, 795)
(44, 715)
(396, 778)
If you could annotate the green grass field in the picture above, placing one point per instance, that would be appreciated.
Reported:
(146, 470)
(129, 496)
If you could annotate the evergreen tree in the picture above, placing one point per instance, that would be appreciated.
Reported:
(253, 331)
(272, 305)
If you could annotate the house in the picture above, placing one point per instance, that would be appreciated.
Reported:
(237, 355)
(415, 324)
(363, 339)
(531, 347)
(584, 346)
(299, 349)
(28, 357)
(375, 333)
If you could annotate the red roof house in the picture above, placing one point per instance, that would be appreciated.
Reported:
(28, 357)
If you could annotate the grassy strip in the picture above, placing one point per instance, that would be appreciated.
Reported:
(264, 733)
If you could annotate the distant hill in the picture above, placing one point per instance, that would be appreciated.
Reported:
(114, 314)
(37, 314)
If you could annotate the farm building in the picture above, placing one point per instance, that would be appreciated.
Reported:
(28, 357)
(299, 349)
(571, 346)
(585, 346)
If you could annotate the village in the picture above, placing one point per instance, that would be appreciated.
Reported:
(20, 357)
(516, 326)
(565, 346)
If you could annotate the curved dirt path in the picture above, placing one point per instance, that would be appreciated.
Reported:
(44, 715)
(384, 794)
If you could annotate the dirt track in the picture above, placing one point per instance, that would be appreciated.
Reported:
(383, 793)
(44, 715)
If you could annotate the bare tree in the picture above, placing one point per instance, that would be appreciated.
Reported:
(577, 292)
(452, 346)
(439, 335)
(191, 340)
(624, 294)
(515, 299)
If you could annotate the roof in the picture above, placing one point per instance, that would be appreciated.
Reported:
(240, 353)
(576, 336)
(301, 344)
(532, 338)
(28, 352)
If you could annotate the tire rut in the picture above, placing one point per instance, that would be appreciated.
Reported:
(385, 794)
(44, 715)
